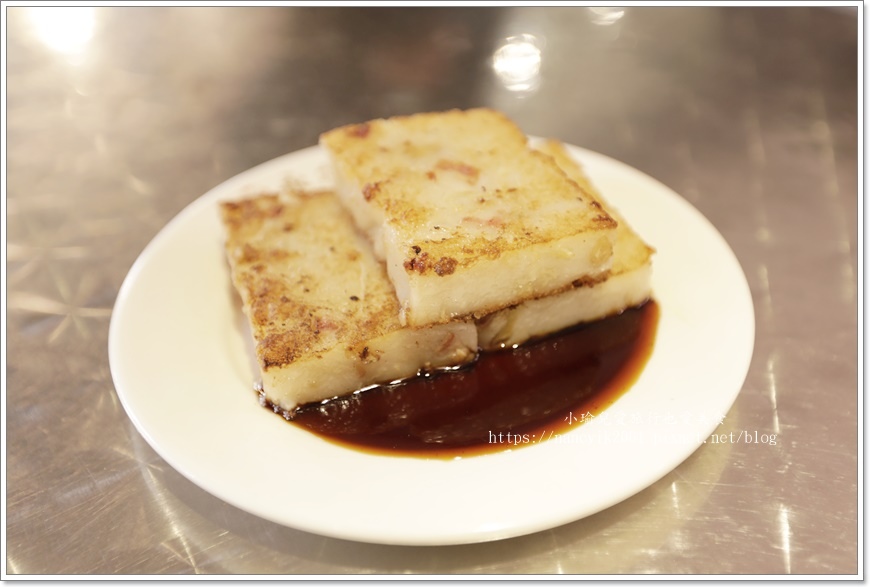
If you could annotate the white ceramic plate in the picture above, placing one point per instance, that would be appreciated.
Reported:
(182, 370)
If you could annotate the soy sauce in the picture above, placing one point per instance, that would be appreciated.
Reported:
(509, 398)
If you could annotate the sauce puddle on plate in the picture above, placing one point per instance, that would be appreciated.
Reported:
(507, 399)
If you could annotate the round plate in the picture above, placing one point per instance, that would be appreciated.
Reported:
(182, 370)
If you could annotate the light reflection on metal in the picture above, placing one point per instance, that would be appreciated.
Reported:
(785, 536)
(606, 15)
(517, 63)
(771, 384)
(67, 30)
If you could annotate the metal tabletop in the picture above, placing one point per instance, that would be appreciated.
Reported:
(119, 117)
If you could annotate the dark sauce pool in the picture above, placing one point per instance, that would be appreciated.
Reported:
(507, 399)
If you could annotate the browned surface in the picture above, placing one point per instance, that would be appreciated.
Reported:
(397, 160)
(296, 266)
(629, 251)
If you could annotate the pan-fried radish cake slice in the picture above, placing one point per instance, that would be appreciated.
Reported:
(322, 310)
(467, 216)
(627, 285)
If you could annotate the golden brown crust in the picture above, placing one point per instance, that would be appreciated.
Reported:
(629, 251)
(470, 173)
(302, 301)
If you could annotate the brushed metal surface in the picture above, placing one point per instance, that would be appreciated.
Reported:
(119, 117)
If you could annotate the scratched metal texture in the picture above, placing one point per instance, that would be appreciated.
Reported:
(748, 113)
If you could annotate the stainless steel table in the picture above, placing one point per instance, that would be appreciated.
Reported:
(119, 117)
